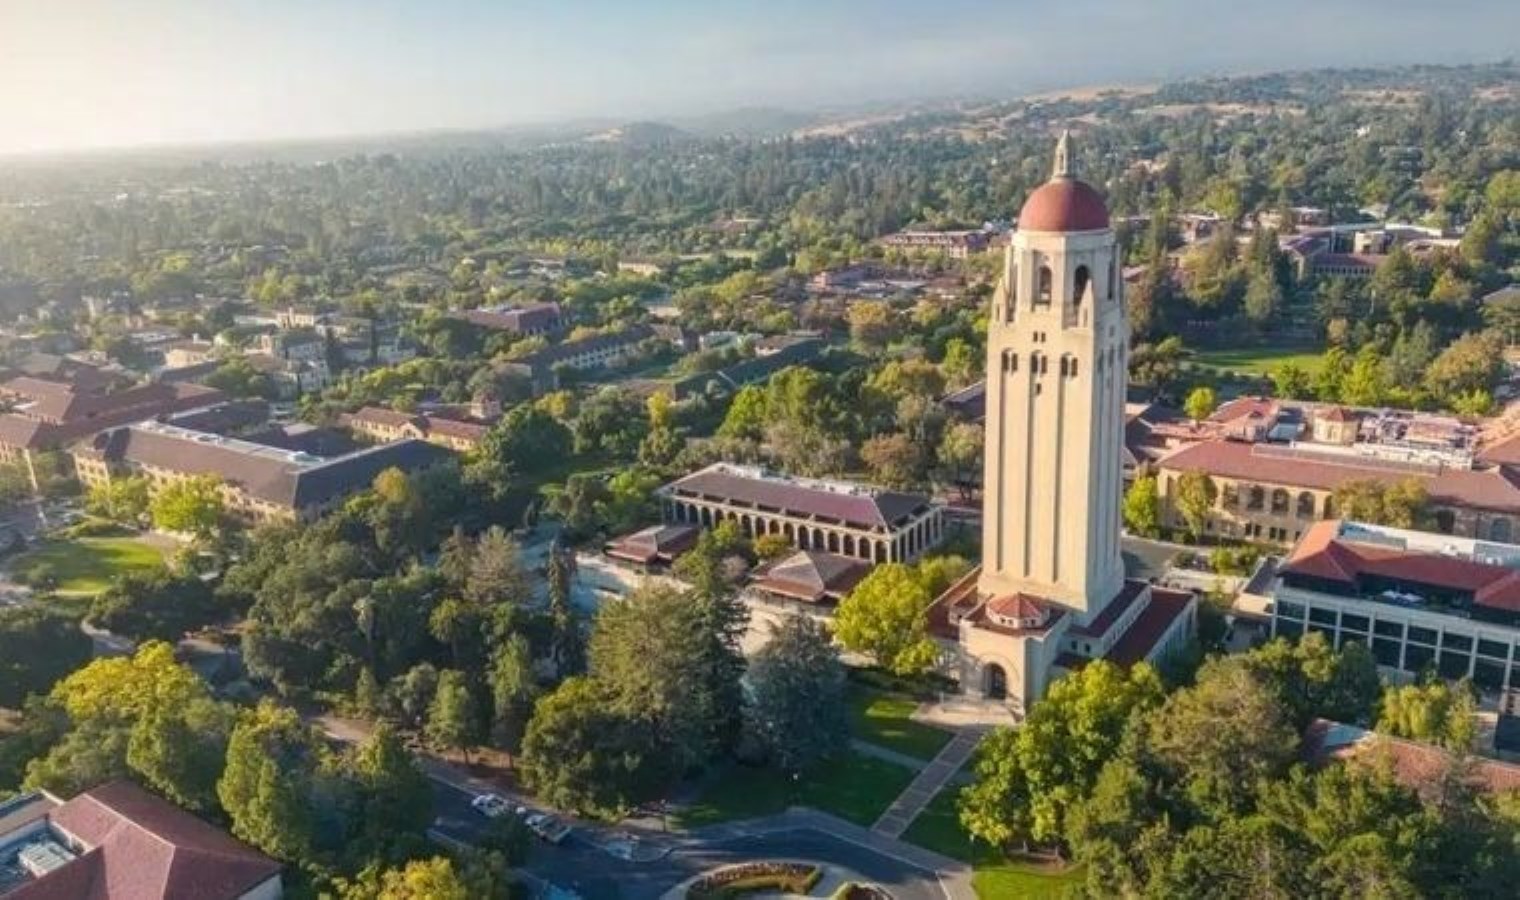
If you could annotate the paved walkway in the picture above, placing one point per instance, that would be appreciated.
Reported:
(930, 780)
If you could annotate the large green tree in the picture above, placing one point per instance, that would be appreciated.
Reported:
(1028, 780)
(886, 617)
(797, 708)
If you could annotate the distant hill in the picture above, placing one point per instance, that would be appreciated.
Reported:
(642, 134)
(747, 122)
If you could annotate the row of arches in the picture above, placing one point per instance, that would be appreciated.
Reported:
(905, 545)
(1044, 283)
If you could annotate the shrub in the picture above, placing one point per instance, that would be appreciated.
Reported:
(93, 527)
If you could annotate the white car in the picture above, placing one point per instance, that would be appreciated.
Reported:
(490, 805)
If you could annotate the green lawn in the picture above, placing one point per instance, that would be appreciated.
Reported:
(855, 787)
(84, 566)
(883, 719)
(938, 828)
(1258, 360)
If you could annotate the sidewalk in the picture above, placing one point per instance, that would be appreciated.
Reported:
(930, 780)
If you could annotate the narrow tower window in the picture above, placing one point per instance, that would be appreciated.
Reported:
(1043, 288)
(1079, 285)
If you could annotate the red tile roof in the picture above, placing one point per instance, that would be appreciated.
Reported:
(1017, 606)
(1493, 488)
(1164, 608)
(662, 542)
(141, 847)
(1324, 553)
(862, 508)
(1504, 450)
(812, 575)
(1064, 204)
(1415, 765)
(1244, 408)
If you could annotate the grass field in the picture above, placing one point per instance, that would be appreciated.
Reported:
(994, 877)
(883, 719)
(855, 787)
(1257, 360)
(85, 566)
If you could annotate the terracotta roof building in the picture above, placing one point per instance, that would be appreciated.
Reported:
(597, 351)
(539, 318)
(1273, 492)
(47, 414)
(1417, 600)
(656, 545)
(119, 842)
(260, 481)
(383, 424)
(1418, 766)
(845, 518)
(810, 576)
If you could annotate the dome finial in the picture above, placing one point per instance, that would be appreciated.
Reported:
(1065, 164)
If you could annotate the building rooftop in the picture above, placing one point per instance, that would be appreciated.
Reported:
(658, 542)
(1415, 765)
(811, 576)
(1321, 468)
(290, 478)
(858, 505)
(537, 317)
(119, 842)
(1392, 561)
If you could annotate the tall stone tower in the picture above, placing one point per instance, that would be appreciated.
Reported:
(1056, 376)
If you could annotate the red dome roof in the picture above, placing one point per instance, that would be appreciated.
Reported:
(1064, 204)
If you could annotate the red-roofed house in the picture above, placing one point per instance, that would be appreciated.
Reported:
(1418, 600)
(119, 842)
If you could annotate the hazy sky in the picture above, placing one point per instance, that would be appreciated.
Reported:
(84, 73)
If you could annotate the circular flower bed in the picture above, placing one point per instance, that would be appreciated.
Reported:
(744, 878)
(852, 891)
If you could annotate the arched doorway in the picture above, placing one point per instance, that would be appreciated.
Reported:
(997, 682)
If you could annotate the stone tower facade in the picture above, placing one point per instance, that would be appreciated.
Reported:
(1056, 376)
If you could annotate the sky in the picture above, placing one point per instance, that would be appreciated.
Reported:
(77, 74)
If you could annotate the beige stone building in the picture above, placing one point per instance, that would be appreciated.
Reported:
(1051, 595)
(381, 424)
(1273, 493)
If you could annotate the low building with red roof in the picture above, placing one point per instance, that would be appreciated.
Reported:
(1419, 601)
(809, 576)
(119, 842)
(846, 518)
(1421, 767)
(1273, 492)
(656, 545)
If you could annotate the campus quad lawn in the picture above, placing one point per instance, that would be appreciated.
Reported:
(938, 828)
(87, 565)
(1257, 360)
(883, 719)
(854, 787)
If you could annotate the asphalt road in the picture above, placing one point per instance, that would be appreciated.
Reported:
(597, 875)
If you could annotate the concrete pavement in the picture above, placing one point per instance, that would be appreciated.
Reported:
(927, 784)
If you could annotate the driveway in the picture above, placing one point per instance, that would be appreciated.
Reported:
(591, 872)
